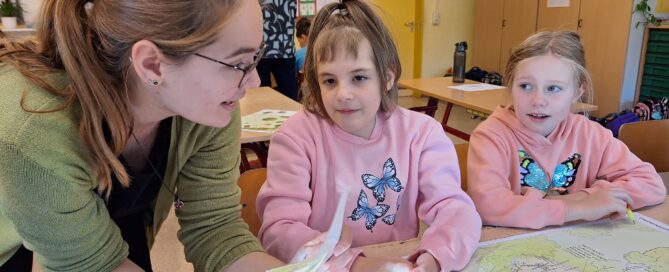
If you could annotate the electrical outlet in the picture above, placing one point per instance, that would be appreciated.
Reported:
(436, 17)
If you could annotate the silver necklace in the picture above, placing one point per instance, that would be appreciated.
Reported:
(178, 204)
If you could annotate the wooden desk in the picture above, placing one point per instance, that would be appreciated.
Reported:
(407, 247)
(483, 101)
(259, 99)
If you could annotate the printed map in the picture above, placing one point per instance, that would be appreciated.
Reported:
(597, 246)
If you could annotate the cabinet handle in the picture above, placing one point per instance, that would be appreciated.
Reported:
(503, 22)
(580, 23)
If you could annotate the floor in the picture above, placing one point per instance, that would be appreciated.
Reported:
(167, 253)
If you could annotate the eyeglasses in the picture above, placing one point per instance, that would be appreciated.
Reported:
(245, 69)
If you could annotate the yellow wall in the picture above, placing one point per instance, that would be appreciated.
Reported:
(456, 24)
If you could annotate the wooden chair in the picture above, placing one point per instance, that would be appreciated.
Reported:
(649, 140)
(461, 150)
(259, 150)
(250, 183)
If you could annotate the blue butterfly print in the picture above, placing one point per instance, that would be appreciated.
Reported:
(565, 172)
(531, 174)
(371, 214)
(378, 185)
(390, 219)
(563, 176)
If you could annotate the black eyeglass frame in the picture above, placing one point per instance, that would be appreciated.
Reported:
(245, 70)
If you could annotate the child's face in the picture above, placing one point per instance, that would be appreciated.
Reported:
(350, 90)
(543, 91)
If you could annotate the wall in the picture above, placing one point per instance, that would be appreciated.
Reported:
(30, 10)
(456, 24)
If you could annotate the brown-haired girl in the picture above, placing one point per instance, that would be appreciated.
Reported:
(399, 164)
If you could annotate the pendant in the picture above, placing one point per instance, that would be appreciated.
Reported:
(178, 204)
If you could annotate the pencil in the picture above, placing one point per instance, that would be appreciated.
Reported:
(630, 214)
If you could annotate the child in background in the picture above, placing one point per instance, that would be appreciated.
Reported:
(404, 169)
(302, 33)
(536, 164)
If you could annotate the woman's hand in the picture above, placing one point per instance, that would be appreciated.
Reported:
(602, 203)
(340, 258)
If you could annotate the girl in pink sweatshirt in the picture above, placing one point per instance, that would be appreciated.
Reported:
(399, 165)
(535, 164)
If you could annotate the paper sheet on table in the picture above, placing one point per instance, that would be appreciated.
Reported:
(612, 245)
(327, 248)
(265, 120)
(476, 87)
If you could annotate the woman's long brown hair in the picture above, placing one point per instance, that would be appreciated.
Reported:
(91, 42)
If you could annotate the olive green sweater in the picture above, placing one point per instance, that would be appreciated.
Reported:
(47, 188)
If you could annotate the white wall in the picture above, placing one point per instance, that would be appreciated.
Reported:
(31, 10)
(456, 24)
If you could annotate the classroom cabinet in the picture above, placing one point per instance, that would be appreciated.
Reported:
(605, 39)
(603, 25)
(500, 25)
(653, 81)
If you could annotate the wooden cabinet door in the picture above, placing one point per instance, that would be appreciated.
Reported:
(558, 18)
(400, 18)
(520, 21)
(487, 41)
(604, 33)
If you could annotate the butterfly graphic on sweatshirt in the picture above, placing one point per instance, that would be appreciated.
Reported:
(389, 179)
(371, 214)
(390, 219)
(532, 175)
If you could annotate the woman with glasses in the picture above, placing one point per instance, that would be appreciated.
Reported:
(114, 113)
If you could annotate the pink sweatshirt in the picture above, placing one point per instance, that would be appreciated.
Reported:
(503, 154)
(405, 173)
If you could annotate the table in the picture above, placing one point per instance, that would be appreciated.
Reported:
(255, 100)
(259, 99)
(404, 248)
(436, 88)
(18, 33)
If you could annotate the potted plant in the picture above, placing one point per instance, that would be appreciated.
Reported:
(644, 9)
(9, 11)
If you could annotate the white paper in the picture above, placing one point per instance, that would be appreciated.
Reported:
(476, 87)
(327, 248)
(558, 3)
(602, 245)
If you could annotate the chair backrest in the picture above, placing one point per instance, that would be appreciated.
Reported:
(250, 183)
(461, 150)
(649, 140)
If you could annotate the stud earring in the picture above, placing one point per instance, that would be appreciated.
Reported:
(153, 82)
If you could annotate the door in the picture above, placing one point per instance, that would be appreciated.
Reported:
(559, 18)
(400, 18)
(604, 36)
(487, 34)
(520, 21)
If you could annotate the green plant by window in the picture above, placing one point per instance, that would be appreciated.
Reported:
(644, 9)
(9, 9)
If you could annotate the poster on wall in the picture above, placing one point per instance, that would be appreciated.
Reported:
(307, 8)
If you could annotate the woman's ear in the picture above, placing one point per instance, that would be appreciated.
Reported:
(390, 80)
(146, 60)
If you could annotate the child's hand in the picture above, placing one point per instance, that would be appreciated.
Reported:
(380, 264)
(340, 258)
(604, 202)
(426, 263)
